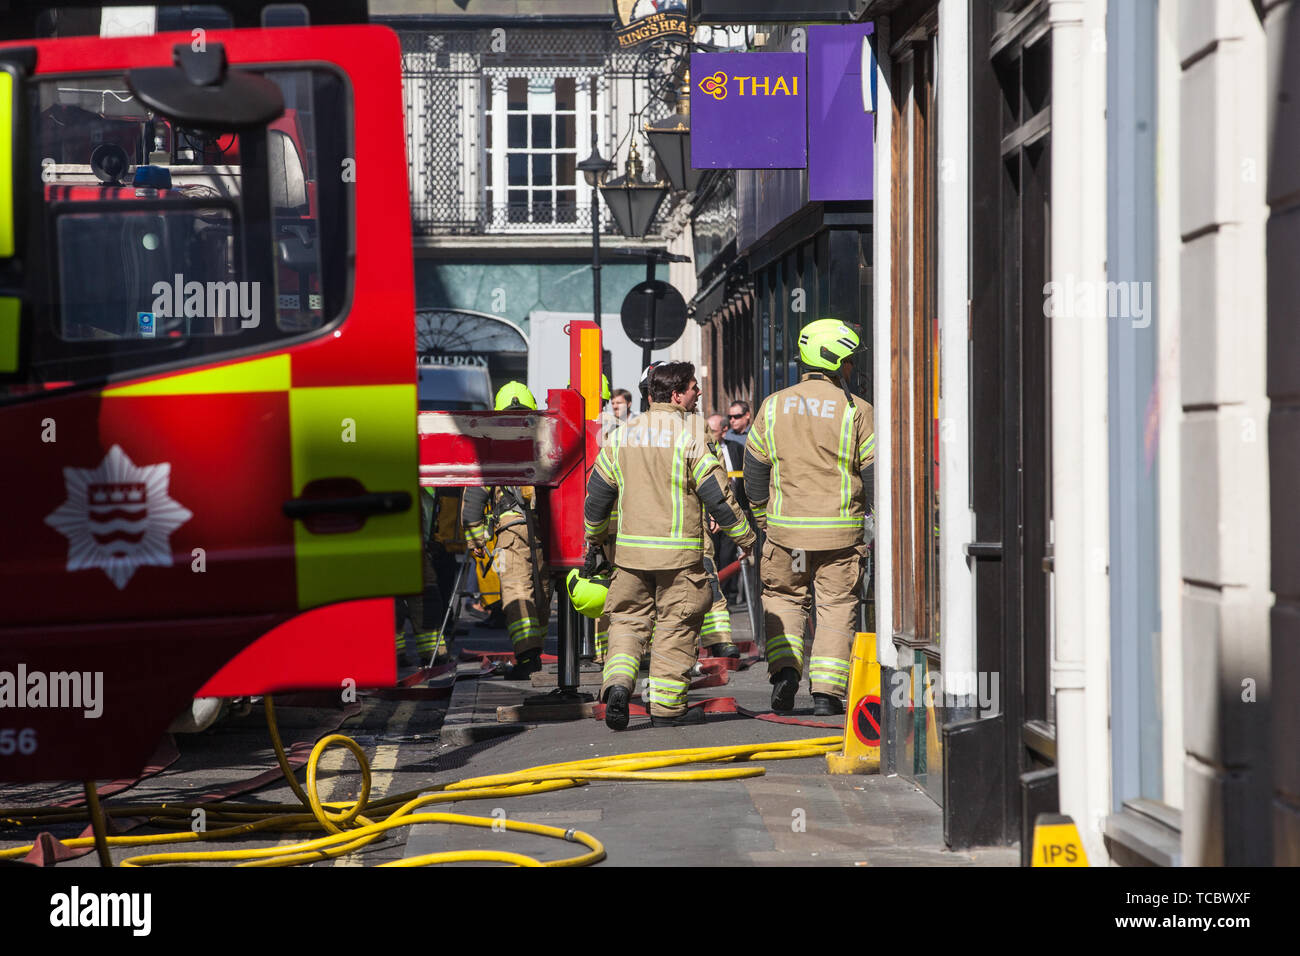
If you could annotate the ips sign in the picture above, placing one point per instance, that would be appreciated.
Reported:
(748, 111)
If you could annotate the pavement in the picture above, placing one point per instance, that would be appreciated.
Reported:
(795, 814)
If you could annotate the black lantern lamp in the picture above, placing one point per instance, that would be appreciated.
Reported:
(670, 138)
(632, 201)
(595, 167)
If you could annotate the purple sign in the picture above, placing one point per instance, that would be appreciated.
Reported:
(749, 111)
(841, 131)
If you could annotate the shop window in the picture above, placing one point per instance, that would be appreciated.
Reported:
(821, 264)
(915, 363)
(779, 310)
(795, 315)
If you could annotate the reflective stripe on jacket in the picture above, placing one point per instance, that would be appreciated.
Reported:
(804, 464)
(659, 473)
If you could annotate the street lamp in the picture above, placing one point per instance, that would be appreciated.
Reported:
(670, 138)
(632, 201)
(594, 169)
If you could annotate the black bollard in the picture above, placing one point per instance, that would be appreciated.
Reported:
(567, 641)
(586, 638)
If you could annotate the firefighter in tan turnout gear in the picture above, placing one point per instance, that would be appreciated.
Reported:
(509, 514)
(808, 475)
(659, 473)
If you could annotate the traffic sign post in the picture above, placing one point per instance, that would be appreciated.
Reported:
(653, 314)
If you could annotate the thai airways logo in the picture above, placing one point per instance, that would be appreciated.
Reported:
(716, 85)
(118, 517)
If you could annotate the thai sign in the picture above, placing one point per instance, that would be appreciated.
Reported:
(841, 124)
(749, 111)
(640, 21)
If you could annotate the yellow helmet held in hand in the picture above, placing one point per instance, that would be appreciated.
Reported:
(515, 395)
(587, 594)
(826, 343)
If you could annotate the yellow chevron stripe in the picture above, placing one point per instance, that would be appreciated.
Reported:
(268, 374)
(10, 330)
(6, 164)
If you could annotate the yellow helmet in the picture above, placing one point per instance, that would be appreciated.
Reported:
(604, 388)
(826, 343)
(515, 394)
(587, 594)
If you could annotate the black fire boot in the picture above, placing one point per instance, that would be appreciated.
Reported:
(723, 649)
(785, 684)
(694, 715)
(526, 665)
(827, 705)
(616, 710)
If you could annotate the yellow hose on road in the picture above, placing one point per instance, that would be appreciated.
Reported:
(349, 826)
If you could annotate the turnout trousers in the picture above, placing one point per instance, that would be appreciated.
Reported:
(672, 602)
(716, 628)
(528, 613)
(602, 622)
(426, 609)
(787, 575)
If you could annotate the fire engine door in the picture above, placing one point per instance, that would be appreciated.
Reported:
(208, 409)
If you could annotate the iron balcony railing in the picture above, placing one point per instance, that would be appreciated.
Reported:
(445, 82)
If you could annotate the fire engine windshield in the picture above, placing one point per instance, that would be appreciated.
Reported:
(168, 234)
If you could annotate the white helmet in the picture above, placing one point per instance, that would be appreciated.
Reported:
(645, 377)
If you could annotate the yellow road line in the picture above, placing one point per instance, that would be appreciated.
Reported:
(382, 765)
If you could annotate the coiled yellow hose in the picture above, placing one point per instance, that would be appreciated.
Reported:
(351, 825)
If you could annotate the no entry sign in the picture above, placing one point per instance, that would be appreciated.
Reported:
(866, 721)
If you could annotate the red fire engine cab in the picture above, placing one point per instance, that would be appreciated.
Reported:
(207, 385)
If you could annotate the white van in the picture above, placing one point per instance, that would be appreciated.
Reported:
(453, 388)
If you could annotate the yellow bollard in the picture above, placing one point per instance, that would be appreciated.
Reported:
(863, 720)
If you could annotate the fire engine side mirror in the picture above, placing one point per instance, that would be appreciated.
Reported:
(15, 65)
(10, 114)
(203, 93)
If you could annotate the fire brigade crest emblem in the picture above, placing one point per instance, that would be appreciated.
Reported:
(118, 517)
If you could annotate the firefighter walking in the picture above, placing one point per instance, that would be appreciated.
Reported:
(426, 610)
(662, 477)
(509, 514)
(808, 475)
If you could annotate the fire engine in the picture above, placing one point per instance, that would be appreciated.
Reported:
(207, 388)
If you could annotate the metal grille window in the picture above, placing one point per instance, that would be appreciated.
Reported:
(538, 120)
(495, 127)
